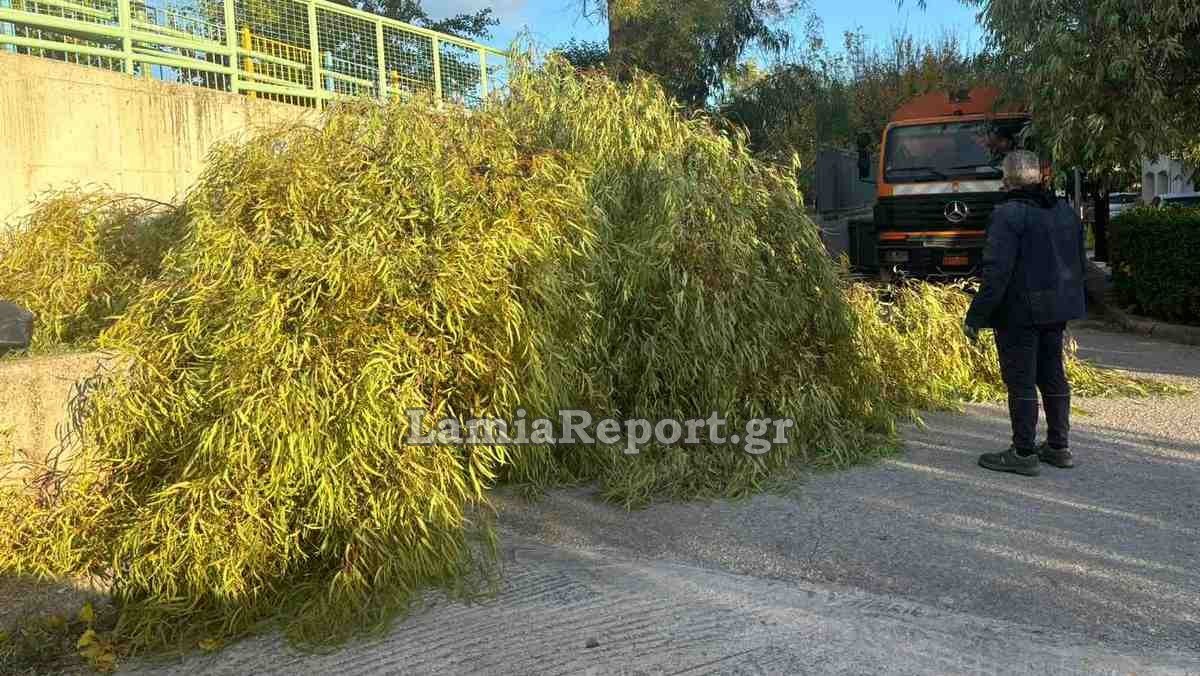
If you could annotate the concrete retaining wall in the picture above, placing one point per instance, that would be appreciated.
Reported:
(34, 409)
(61, 123)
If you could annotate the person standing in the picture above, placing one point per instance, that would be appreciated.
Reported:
(1033, 283)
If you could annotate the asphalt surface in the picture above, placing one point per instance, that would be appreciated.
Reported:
(922, 563)
(567, 611)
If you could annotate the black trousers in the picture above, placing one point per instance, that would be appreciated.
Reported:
(1031, 359)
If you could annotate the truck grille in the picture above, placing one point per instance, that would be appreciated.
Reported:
(928, 212)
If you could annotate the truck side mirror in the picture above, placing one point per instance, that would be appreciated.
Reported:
(864, 165)
(863, 141)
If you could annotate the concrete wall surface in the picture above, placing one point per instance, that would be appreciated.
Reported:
(35, 396)
(62, 123)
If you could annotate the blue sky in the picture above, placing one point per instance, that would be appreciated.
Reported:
(552, 22)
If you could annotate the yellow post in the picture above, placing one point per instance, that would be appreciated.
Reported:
(437, 71)
(314, 52)
(483, 78)
(125, 19)
(248, 62)
(380, 55)
(395, 84)
(231, 41)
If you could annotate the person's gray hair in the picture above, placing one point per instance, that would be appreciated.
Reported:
(1022, 169)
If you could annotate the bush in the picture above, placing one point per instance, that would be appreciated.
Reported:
(79, 257)
(1156, 262)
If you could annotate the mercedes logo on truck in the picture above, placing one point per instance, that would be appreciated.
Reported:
(957, 212)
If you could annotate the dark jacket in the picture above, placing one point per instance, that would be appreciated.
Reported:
(1034, 265)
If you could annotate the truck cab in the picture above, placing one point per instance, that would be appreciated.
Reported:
(939, 178)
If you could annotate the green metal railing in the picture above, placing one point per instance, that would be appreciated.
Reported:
(303, 52)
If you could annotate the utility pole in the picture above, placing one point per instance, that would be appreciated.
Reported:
(1100, 226)
(1078, 194)
(1097, 188)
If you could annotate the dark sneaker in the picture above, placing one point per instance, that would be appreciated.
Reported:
(1059, 457)
(1009, 461)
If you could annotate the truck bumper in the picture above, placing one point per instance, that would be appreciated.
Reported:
(931, 262)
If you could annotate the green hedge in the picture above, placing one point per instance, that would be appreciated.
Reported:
(1156, 262)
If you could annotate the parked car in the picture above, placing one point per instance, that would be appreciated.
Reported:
(1120, 202)
(1177, 200)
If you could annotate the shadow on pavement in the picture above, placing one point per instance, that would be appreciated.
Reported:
(1110, 550)
(1137, 353)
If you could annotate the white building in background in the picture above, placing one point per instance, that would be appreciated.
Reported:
(1163, 175)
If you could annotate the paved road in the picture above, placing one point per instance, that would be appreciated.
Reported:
(567, 611)
(919, 564)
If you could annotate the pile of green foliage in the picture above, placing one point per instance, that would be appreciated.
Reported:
(579, 246)
(79, 257)
(1154, 254)
(911, 340)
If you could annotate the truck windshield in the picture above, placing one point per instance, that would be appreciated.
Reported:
(935, 152)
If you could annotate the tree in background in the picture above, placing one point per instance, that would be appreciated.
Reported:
(585, 55)
(1109, 81)
(475, 26)
(777, 109)
(814, 98)
(690, 46)
(792, 107)
(881, 79)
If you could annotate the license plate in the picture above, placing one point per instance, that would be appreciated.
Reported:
(940, 244)
(954, 260)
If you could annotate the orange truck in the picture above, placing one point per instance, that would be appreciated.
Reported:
(938, 180)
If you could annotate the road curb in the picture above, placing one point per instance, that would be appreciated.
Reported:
(1099, 294)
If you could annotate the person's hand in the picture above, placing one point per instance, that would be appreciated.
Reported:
(972, 332)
